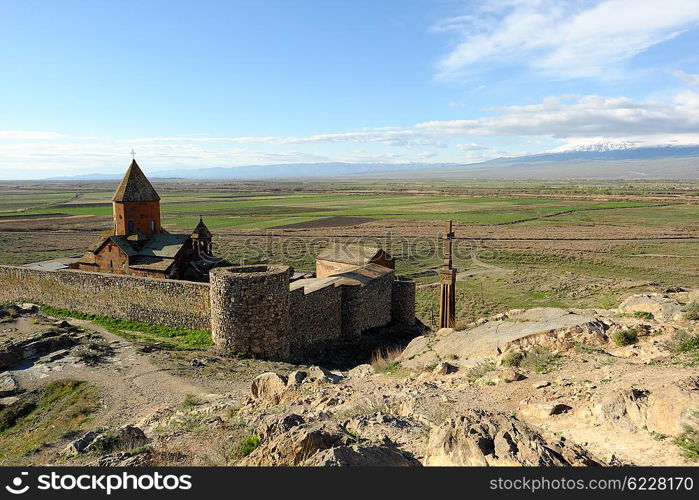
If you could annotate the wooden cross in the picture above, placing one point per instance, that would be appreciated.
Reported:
(133, 154)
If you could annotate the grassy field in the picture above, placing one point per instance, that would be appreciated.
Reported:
(554, 244)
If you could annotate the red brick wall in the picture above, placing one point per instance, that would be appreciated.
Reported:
(140, 214)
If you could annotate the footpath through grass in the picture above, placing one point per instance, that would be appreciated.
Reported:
(41, 418)
(162, 336)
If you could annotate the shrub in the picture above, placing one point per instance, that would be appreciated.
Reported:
(513, 359)
(541, 360)
(684, 342)
(691, 311)
(248, 445)
(688, 441)
(385, 361)
(583, 348)
(479, 371)
(190, 402)
(625, 337)
(91, 351)
(644, 315)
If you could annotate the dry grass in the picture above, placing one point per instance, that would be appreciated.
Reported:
(385, 360)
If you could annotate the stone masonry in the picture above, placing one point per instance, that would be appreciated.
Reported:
(251, 310)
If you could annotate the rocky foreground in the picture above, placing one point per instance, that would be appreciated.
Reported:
(537, 387)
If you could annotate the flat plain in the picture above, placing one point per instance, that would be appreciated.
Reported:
(519, 244)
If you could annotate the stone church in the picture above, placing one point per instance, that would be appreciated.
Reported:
(139, 246)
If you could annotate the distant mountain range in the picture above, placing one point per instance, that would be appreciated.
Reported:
(588, 161)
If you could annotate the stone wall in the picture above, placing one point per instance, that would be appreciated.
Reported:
(250, 310)
(403, 302)
(315, 318)
(162, 302)
(366, 306)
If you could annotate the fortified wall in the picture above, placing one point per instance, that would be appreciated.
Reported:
(183, 304)
(251, 310)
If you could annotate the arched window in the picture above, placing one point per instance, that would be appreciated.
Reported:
(152, 225)
(131, 226)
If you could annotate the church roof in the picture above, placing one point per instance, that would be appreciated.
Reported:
(135, 186)
(164, 245)
(349, 253)
(201, 231)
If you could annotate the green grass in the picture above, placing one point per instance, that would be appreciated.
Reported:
(266, 210)
(691, 311)
(190, 402)
(625, 337)
(479, 371)
(248, 445)
(684, 342)
(513, 359)
(648, 316)
(163, 336)
(688, 440)
(41, 418)
(541, 360)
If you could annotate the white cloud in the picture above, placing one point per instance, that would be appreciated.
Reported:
(27, 135)
(386, 135)
(686, 77)
(566, 118)
(579, 116)
(563, 38)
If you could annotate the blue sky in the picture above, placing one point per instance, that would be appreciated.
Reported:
(231, 83)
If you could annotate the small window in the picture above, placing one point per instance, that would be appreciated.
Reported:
(131, 226)
(152, 225)
(111, 264)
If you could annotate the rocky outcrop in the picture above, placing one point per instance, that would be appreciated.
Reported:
(385, 455)
(8, 385)
(659, 305)
(13, 353)
(484, 439)
(517, 330)
(295, 445)
(268, 387)
(663, 410)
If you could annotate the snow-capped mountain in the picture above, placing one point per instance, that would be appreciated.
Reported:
(596, 147)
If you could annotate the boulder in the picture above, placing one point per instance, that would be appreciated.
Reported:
(296, 377)
(664, 409)
(361, 371)
(268, 387)
(509, 375)
(384, 455)
(268, 431)
(625, 409)
(316, 373)
(444, 368)
(28, 308)
(482, 438)
(8, 401)
(659, 305)
(670, 408)
(125, 438)
(8, 385)
(545, 410)
(293, 446)
(79, 445)
(405, 432)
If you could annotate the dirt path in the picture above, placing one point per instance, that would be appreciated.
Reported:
(482, 268)
(131, 385)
